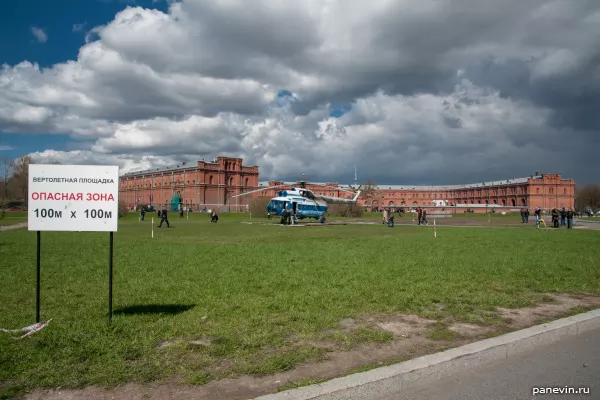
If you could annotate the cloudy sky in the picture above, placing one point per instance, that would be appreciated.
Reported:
(412, 92)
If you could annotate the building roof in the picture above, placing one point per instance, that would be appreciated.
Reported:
(183, 166)
(505, 182)
(162, 169)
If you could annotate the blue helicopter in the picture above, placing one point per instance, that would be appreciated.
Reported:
(300, 202)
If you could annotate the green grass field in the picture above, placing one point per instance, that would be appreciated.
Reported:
(238, 292)
(13, 217)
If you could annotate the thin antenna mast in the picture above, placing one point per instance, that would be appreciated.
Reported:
(355, 176)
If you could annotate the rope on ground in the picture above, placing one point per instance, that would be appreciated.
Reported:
(31, 329)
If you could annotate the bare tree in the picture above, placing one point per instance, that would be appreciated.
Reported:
(8, 166)
(587, 198)
(19, 181)
(368, 190)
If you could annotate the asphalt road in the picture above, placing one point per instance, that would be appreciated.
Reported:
(573, 362)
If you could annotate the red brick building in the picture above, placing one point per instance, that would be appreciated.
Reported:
(545, 191)
(196, 186)
(211, 185)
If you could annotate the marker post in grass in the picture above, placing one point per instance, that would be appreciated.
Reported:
(152, 227)
(434, 231)
(73, 198)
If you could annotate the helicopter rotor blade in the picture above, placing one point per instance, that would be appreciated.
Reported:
(257, 190)
(303, 185)
(263, 189)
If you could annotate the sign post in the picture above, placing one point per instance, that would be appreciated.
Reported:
(75, 198)
(37, 278)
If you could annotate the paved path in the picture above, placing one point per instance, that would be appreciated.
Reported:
(572, 362)
(587, 223)
(13, 226)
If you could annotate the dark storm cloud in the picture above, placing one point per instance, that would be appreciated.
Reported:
(452, 92)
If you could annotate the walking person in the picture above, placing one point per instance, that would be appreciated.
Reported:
(538, 217)
(164, 218)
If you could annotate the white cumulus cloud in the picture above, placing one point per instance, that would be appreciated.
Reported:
(451, 92)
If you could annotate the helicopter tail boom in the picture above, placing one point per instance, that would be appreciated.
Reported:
(339, 200)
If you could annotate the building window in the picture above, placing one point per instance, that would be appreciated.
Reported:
(210, 180)
(246, 182)
(231, 180)
(551, 190)
(564, 191)
(537, 190)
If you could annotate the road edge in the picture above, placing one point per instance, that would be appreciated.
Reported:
(388, 379)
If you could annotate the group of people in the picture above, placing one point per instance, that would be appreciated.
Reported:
(564, 216)
(388, 216)
(163, 215)
(288, 217)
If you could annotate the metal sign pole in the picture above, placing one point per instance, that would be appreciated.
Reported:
(110, 278)
(37, 279)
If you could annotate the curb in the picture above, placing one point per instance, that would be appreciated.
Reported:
(388, 380)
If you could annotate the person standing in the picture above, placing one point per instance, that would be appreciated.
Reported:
(555, 215)
(563, 217)
(164, 218)
(522, 215)
(570, 215)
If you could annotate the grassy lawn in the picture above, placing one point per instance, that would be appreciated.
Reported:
(235, 294)
(13, 217)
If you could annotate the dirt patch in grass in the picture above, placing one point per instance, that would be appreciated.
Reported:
(561, 304)
(357, 344)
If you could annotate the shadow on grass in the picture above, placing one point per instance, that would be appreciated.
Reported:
(153, 309)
